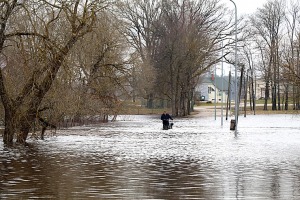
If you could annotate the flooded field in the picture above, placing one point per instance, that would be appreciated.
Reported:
(134, 158)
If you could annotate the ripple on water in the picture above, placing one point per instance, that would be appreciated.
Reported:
(135, 159)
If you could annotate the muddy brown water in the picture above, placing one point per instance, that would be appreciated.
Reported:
(134, 158)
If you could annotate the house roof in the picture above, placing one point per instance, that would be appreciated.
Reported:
(218, 80)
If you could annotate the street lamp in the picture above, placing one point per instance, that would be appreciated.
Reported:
(222, 75)
(235, 72)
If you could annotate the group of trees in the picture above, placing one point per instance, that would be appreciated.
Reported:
(177, 41)
(75, 59)
(272, 49)
(78, 59)
(58, 59)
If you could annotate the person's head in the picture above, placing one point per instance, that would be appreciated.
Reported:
(165, 112)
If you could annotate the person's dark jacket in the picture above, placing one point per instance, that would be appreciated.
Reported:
(166, 117)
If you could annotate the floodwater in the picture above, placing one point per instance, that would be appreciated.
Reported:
(134, 158)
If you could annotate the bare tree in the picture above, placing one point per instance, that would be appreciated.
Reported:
(180, 40)
(291, 68)
(267, 23)
(54, 29)
(140, 19)
(249, 57)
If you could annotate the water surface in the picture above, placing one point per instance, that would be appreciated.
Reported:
(134, 158)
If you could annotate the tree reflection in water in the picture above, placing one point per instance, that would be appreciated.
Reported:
(136, 159)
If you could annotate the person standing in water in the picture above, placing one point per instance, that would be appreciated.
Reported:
(165, 117)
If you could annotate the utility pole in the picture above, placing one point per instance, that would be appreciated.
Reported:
(235, 72)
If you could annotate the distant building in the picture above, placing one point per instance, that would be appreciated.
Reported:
(260, 86)
(211, 86)
(205, 90)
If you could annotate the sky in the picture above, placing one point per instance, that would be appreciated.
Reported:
(243, 7)
(246, 6)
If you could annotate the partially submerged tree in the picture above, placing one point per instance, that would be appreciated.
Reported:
(46, 34)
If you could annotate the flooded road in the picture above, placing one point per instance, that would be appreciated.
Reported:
(134, 158)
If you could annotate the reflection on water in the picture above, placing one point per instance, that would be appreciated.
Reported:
(135, 159)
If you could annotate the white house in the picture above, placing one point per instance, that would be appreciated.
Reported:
(211, 86)
(260, 86)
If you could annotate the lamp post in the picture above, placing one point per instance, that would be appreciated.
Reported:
(235, 72)
(222, 75)
(215, 83)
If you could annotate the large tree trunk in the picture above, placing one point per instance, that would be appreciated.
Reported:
(9, 129)
(246, 93)
(274, 105)
(266, 95)
(24, 125)
(286, 105)
(24, 131)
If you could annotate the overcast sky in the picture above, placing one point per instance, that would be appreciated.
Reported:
(243, 7)
(246, 6)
